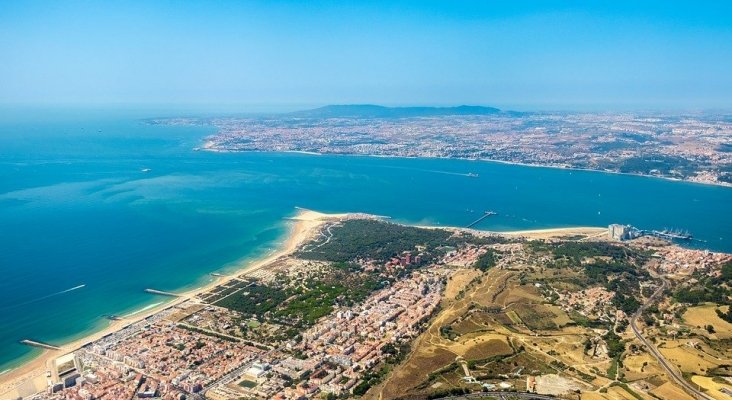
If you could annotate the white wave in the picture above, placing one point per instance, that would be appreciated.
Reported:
(45, 297)
(69, 290)
(143, 309)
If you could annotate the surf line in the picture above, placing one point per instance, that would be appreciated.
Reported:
(143, 309)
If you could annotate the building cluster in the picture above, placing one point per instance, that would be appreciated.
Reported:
(590, 302)
(333, 355)
(675, 260)
(216, 319)
(466, 257)
(174, 355)
(112, 383)
(694, 148)
(392, 265)
(190, 360)
(154, 358)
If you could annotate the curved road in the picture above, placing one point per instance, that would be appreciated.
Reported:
(689, 388)
(502, 396)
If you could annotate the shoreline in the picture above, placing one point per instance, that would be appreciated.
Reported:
(489, 160)
(304, 226)
(541, 233)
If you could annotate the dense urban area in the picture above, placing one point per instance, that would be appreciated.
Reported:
(377, 310)
(693, 147)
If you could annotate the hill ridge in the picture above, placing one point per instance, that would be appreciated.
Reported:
(378, 111)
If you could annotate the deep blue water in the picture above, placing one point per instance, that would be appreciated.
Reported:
(76, 208)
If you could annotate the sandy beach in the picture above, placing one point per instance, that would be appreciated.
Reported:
(588, 231)
(305, 224)
(33, 373)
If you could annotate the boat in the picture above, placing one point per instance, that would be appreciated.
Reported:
(472, 175)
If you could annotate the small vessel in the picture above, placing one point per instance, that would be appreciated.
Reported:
(145, 170)
(472, 174)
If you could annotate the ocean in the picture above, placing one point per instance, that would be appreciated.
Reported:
(97, 206)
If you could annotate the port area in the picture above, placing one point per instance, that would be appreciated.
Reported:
(629, 232)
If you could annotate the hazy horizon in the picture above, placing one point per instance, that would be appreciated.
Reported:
(283, 56)
(141, 110)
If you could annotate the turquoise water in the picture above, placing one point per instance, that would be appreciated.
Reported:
(76, 209)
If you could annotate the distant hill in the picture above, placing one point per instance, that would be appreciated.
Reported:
(375, 111)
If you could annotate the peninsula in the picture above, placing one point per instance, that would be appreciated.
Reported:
(691, 147)
(356, 306)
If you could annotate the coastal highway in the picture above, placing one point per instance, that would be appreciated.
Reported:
(657, 354)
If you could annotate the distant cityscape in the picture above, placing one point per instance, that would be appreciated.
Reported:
(694, 147)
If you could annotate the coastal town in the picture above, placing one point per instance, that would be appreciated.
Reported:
(694, 147)
(197, 349)
(159, 358)
(365, 200)
(289, 329)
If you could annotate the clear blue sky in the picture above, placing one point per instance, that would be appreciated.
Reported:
(252, 54)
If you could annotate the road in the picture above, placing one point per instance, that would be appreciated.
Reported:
(502, 396)
(657, 354)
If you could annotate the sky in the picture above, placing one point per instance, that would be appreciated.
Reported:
(261, 55)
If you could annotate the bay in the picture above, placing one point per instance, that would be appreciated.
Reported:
(106, 201)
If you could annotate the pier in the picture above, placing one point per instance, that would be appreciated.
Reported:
(35, 343)
(628, 232)
(485, 215)
(162, 292)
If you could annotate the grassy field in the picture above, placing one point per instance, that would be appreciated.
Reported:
(671, 391)
(506, 324)
(688, 358)
(641, 366)
(481, 347)
(712, 386)
(618, 392)
(473, 329)
(459, 280)
(433, 351)
(700, 316)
